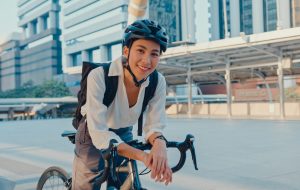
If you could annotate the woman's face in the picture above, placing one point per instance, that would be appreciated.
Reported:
(144, 57)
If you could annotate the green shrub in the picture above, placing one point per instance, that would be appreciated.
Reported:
(51, 88)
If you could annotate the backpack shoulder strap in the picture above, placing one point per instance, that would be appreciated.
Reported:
(111, 86)
(149, 94)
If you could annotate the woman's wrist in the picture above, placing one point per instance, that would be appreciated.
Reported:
(159, 138)
(143, 157)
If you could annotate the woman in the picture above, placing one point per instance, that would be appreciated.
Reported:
(143, 43)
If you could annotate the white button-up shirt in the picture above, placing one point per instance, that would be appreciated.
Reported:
(119, 114)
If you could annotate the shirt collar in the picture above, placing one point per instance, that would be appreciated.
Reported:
(116, 69)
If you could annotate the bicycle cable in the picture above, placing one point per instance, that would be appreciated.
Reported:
(118, 171)
(143, 172)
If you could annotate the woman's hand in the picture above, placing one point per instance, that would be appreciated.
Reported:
(157, 161)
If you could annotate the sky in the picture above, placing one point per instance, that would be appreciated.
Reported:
(8, 18)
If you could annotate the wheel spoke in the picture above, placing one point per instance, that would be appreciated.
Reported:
(54, 179)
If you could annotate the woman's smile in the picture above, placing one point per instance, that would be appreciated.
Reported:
(144, 69)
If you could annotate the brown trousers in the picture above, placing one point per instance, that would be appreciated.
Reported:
(88, 161)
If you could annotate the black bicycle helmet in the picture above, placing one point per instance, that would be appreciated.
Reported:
(146, 29)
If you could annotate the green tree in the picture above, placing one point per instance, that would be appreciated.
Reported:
(51, 88)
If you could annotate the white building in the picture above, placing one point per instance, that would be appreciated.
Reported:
(36, 56)
(251, 16)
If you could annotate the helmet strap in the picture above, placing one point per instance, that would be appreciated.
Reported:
(136, 82)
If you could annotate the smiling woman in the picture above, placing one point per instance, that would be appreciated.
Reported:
(143, 43)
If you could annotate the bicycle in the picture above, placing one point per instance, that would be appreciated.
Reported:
(57, 178)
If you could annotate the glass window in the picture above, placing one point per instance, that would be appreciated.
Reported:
(26, 31)
(115, 51)
(167, 13)
(46, 22)
(34, 27)
(95, 55)
(76, 59)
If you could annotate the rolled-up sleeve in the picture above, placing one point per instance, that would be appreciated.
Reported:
(155, 115)
(96, 111)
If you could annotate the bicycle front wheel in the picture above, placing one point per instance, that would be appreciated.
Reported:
(54, 178)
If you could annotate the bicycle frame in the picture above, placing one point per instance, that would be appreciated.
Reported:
(132, 180)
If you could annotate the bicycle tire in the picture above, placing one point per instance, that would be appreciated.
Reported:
(54, 178)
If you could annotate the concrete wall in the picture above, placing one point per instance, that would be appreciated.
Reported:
(246, 110)
(9, 66)
(40, 63)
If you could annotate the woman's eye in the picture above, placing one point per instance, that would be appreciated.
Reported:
(155, 55)
(140, 51)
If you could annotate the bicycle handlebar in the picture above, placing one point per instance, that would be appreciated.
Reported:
(187, 144)
(110, 153)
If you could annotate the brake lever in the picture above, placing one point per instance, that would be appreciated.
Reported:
(190, 139)
(192, 149)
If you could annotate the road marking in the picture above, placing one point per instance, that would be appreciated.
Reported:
(24, 165)
(18, 167)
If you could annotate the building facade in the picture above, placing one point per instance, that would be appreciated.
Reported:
(10, 63)
(295, 13)
(251, 16)
(40, 50)
(35, 56)
(93, 29)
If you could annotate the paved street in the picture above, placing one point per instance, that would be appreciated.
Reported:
(232, 154)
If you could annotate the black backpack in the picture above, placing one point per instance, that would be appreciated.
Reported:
(111, 84)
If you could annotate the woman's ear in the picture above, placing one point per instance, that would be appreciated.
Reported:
(125, 51)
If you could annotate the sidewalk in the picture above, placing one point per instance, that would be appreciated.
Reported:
(6, 184)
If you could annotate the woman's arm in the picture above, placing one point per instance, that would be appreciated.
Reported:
(132, 153)
(155, 117)
(155, 114)
(158, 159)
(136, 154)
(96, 111)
